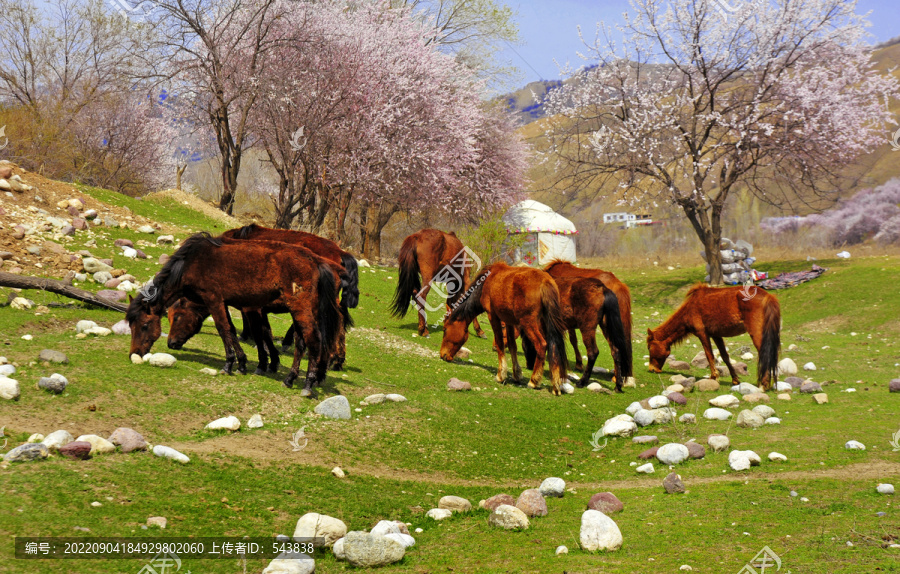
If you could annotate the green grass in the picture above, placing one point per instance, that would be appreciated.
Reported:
(401, 457)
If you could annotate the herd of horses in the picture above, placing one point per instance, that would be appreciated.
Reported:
(260, 271)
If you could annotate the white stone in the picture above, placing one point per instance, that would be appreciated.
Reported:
(809, 366)
(630, 383)
(36, 437)
(231, 423)
(405, 540)
(9, 389)
(718, 442)
(599, 532)
(765, 411)
(885, 489)
(439, 513)
(595, 387)
(99, 445)
(395, 398)
(315, 525)
(645, 468)
(57, 439)
(854, 445)
(209, 371)
(126, 286)
(773, 421)
(7, 370)
(747, 356)
(137, 359)
(787, 367)
(385, 527)
(162, 360)
(508, 517)
(553, 487)
(561, 550)
(633, 408)
(672, 453)
(688, 418)
(739, 463)
(619, 425)
(255, 422)
(749, 419)
(658, 401)
(716, 414)
(777, 457)
(644, 418)
(746, 389)
(338, 549)
(84, 325)
(567, 388)
(21, 304)
(751, 457)
(725, 401)
(129, 252)
(288, 563)
(169, 452)
(783, 387)
(99, 331)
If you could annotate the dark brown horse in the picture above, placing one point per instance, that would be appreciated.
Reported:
(623, 294)
(218, 273)
(586, 304)
(439, 258)
(713, 313)
(513, 297)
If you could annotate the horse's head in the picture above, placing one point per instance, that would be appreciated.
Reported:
(456, 333)
(144, 320)
(659, 352)
(185, 321)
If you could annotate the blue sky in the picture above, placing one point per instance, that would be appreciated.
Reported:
(548, 30)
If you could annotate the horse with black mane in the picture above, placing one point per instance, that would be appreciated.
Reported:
(218, 273)
(560, 268)
(713, 313)
(438, 257)
(513, 297)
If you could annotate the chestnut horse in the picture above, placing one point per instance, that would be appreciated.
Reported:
(513, 297)
(214, 272)
(713, 313)
(586, 303)
(437, 256)
(561, 268)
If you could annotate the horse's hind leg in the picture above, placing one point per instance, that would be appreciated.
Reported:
(589, 336)
(511, 343)
(337, 361)
(573, 338)
(247, 329)
(420, 309)
(270, 344)
(256, 328)
(499, 345)
(723, 352)
(288, 338)
(540, 350)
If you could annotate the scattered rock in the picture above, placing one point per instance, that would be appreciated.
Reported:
(395, 398)
(716, 414)
(605, 502)
(93, 265)
(128, 439)
(77, 450)
(677, 398)
(696, 450)
(553, 487)
(404, 540)
(52, 356)
(820, 398)
(567, 388)
(649, 453)
(36, 437)
(773, 421)
(21, 304)
(337, 472)
(337, 407)
(707, 385)
(315, 525)
(673, 484)
(810, 387)
(455, 384)
(894, 386)
(9, 389)
(138, 360)
(620, 425)
(725, 401)
(777, 457)
(645, 468)
(145, 229)
(255, 422)
(885, 489)
(375, 399)
(679, 365)
(787, 367)
(438, 513)
(743, 459)
(56, 439)
(455, 504)
(854, 445)
(158, 521)
(55, 383)
(163, 360)
(599, 532)
(756, 398)
(783, 397)
(783, 387)
(749, 419)
(230, 423)
(168, 452)
(700, 361)
(27, 452)
(165, 240)
(561, 550)
(809, 367)
(121, 328)
(498, 499)
(764, 411)
(365, 550)
(99, 445)
(718, 442)
(645, 439)
(674, 453)
(509, 518)
(658, 401)
(532, 503)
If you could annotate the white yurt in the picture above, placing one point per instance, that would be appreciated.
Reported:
(548, 235)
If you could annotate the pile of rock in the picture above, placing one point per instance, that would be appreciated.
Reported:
(737, 262)
(85, 446)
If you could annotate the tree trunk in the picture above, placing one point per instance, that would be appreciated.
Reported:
(376, 218)
(59, 287)
(710, 235)
(179, 171)
(230, 172)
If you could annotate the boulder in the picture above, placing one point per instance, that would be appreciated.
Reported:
(9, 389)
(77, 450)
(337, 407)
(749, 419)
(55, 383)
(553, 487)
(509, 518)
(52, 356)
(718, 442)
(455, 384)
(725, 402)
(532, 503)
(493, 502)
(439, 514)
(229, 423)
(315, 525)
(787, 367)
(672, 453)
(99, 445)
(716, 414)
(765, 411)
(599, 532)
(673, 484)
(169, 452)
(707, 385)
(127, 439)
(696, 451)
(365, 550)
(27, 452)
(605, 502)
(56, 439)
(455, 504)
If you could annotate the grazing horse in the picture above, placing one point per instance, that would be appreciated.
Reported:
(214, 273)
(320, 246)
(586, 303)
(436, 256)
(713, 313)
(513, 297)
(561, 268)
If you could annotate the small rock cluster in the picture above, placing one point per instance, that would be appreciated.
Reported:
(81, 448)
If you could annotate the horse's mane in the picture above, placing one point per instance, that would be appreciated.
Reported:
(170, 275)
(245, 231)
(556, 262)
(469, 306)
(675, 319)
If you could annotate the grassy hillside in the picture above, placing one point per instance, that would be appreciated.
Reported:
(402, 457)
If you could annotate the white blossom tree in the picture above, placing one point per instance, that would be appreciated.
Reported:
(693, 104)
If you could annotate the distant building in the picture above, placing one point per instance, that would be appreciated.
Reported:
(628, 220)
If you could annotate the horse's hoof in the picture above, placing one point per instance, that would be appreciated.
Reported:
(308, 393)
(289, 382)
(273, 368)
(619, 390)
(481, 335)
(242, 370)
(259, 371)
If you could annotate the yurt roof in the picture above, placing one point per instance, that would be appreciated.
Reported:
(531, 216)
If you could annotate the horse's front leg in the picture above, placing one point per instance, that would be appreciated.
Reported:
(270, 344)
(704, 340)
(340, 355)
(723, 352)
(233, 350)
(536, 338)
(573, 338)
(497, 327)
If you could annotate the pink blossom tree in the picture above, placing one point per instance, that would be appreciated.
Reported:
(691, 105)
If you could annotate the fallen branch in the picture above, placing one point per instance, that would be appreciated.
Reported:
(58, 287)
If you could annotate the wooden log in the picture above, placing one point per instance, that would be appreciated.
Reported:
(58, 287)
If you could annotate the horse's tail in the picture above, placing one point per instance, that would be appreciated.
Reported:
(771, 342)
(615, 330)
(554, 327)
(625, 317)
(409, 278)
(350, 287)
(329, 320)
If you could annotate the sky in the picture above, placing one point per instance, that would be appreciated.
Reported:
(548, 29)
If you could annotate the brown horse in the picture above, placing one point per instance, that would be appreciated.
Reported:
(561, 268)
(513, 297)
(713, 313)
(586, 304)
(439, 257)
(214, 272)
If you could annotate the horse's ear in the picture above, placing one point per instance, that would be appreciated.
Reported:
(650, 332)
(130, 299)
